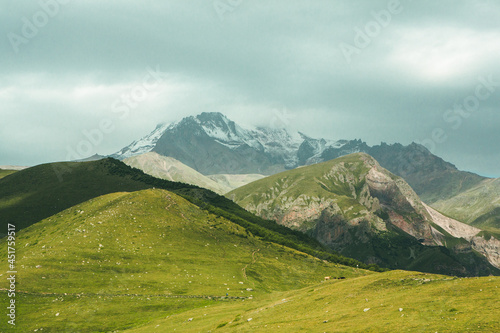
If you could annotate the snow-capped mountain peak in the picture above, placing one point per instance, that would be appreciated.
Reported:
(212, 143)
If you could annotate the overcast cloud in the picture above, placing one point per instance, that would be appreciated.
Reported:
(65, 66)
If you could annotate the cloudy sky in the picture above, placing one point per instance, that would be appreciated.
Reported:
(392, 71)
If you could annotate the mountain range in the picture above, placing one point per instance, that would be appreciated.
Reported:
(222, 150)
(212, 144)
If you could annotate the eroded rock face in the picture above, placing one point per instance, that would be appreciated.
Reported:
(488, 247)
(294, 212)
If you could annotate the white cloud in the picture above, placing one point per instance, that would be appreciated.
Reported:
(443, 54)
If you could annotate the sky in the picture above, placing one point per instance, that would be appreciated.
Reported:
(93, 76)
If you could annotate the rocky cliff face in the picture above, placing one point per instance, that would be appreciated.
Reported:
(487, 245)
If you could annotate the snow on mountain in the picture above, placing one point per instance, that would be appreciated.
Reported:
(313, 149)
(277, 142)
(143, 145)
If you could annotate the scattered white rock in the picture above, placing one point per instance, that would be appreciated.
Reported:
(366, 310)
(57, 314)
(249, 319)
(400, 309)
(190, 319)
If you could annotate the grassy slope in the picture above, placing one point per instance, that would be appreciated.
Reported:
(110, 262)
(429, 303)
(446, 185)
(478, 206)
(5, 173)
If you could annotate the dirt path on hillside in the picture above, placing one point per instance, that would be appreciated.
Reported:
(244, 269)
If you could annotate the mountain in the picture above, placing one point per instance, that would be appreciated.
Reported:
(430, 176)
(212, 144)
(478, 206)
(235, 181)
(143, 145)
(123, 259)
(170, 169)
(95, 157)
(359, 209)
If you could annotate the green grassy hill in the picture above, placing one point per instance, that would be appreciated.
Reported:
(396, 301)
(32, 194)
(363, 211)
(478, 206)
(123, 259)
